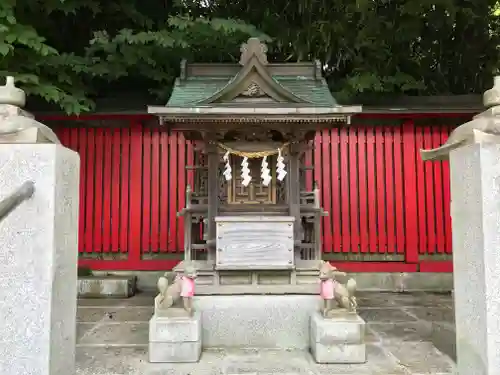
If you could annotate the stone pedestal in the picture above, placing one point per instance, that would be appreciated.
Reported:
(38, 261)
(174, 340)
(338, 340)
(475, 210)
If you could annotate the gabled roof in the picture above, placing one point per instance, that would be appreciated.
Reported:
(254, 76)
(253, 88)
(196, 90)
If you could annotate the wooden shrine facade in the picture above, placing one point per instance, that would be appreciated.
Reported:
(251, 135)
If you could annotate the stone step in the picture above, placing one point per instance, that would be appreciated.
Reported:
(114, 322)
(106, 286)
(112, 314)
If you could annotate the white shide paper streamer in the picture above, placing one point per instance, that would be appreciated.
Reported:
(266, 172)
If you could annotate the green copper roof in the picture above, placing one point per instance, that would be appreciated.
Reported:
(188, 92)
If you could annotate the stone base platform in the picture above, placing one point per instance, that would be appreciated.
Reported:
(175, 340)
(250, 321)
(106, 286)
(303, 279)
(340, 339)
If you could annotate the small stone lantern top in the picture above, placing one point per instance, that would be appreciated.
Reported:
(491, 97)
(12, 95)
(17, 125)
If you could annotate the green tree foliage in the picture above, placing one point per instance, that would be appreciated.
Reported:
(383, 46)
(67, 51)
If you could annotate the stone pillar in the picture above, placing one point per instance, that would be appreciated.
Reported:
(38, 251)
(475, 210)
(474, 153)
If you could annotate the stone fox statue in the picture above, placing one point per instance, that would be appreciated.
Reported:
(333, 291)
(171, 292)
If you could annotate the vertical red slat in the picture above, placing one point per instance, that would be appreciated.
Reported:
(73, 139)
(64, 136)
(353, 188)
(371, 189)
(438, 193)
(173, 183)
(317, 176)
(399, 191)
(446, 195)
(344, 185)
(164, 196)
(82, 150)
(181, 173)
(115, 188)
(429, 194)
(125, 190)
(335, 210)
(363, 193)
(155, 191)
(136, 193)
(326, 190)
(389, 189)
(98, 188)
(107, 186)
(410, 160)
(146, 191)
(381, 192)
(420, 194)
(89, 194)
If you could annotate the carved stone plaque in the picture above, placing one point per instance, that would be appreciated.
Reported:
(254, 242)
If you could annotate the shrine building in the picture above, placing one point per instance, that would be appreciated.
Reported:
(254, 171)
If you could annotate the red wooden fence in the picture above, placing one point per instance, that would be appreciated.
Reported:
(389, 211)
(383, 201)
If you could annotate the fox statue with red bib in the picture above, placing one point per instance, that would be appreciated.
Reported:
(333, 291)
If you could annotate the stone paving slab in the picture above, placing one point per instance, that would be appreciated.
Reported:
(117, 334)
(402, 332)
(420, 357)
(385, 315)
(432, 314)
(410, 334)
(115, 314)
(133, 361)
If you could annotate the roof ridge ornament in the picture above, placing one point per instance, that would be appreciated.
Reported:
(253, 47)
(253, 91)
